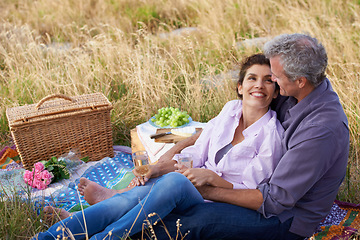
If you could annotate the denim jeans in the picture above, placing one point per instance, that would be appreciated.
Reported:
(212, 220)
(126, 212)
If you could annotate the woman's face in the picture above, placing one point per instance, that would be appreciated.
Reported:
(257, 89)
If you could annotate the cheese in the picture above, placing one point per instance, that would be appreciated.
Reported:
(184, 132)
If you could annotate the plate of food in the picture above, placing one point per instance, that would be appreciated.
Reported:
(169, 117)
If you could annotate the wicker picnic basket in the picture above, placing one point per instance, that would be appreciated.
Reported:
(59, 123)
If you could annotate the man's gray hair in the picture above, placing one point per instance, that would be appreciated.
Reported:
(300, 56)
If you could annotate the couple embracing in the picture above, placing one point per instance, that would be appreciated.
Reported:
(258, 173)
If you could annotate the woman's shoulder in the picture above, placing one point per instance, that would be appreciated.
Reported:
(230, 108)
(233, 104)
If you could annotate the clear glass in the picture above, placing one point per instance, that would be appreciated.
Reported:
(185, 159)
(141, 162)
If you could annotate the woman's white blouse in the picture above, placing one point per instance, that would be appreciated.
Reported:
(249, 162)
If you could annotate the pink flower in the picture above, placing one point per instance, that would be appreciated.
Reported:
(41, 185)
(39, 177)
(39, 166)
(27, 175)
(46, 175)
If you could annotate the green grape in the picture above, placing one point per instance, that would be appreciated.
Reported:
(170, 116)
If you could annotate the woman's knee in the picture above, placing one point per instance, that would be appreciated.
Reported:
(173, 184)
(174, 179)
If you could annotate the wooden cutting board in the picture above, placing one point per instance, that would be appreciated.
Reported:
(170, 138)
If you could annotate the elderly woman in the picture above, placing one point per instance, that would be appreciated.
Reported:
(239, 148)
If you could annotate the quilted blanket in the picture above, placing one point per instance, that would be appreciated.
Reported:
(341, 223)
(114, 173)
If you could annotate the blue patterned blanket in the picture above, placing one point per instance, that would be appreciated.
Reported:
(114, 173)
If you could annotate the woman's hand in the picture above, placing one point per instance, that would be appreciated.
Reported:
(197, 176)
(141, 180)
(200, 176)
(168, 156)
(180, 168)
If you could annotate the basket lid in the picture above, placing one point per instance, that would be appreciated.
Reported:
(56, 106)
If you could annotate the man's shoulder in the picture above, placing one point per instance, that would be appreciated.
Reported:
(326, 108)
(322, 114)
(322, 105)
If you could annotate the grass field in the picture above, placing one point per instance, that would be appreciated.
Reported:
(129, 51)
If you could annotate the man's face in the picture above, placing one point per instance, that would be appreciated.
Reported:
(287, 87)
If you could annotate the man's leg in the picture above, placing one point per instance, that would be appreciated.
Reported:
(224, 221)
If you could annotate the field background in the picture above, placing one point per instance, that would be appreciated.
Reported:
(147, 54)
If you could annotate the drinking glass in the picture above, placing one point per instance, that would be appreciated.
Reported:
(141, 162)
(185, 159)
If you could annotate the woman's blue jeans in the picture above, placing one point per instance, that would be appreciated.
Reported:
(125, 213)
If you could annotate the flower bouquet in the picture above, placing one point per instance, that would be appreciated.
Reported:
(39, 177)
(54, 170)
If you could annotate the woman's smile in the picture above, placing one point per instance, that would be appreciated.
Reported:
(258, 94)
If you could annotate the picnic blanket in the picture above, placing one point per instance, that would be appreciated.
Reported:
(113, 173)
(8, 157)
(341, 223)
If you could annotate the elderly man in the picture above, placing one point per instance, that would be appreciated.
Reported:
(304, 185)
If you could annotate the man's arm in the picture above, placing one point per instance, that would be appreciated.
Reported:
(316, 171)
(248, 198)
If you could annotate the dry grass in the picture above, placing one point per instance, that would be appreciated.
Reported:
(116, 47)
(19, 218)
